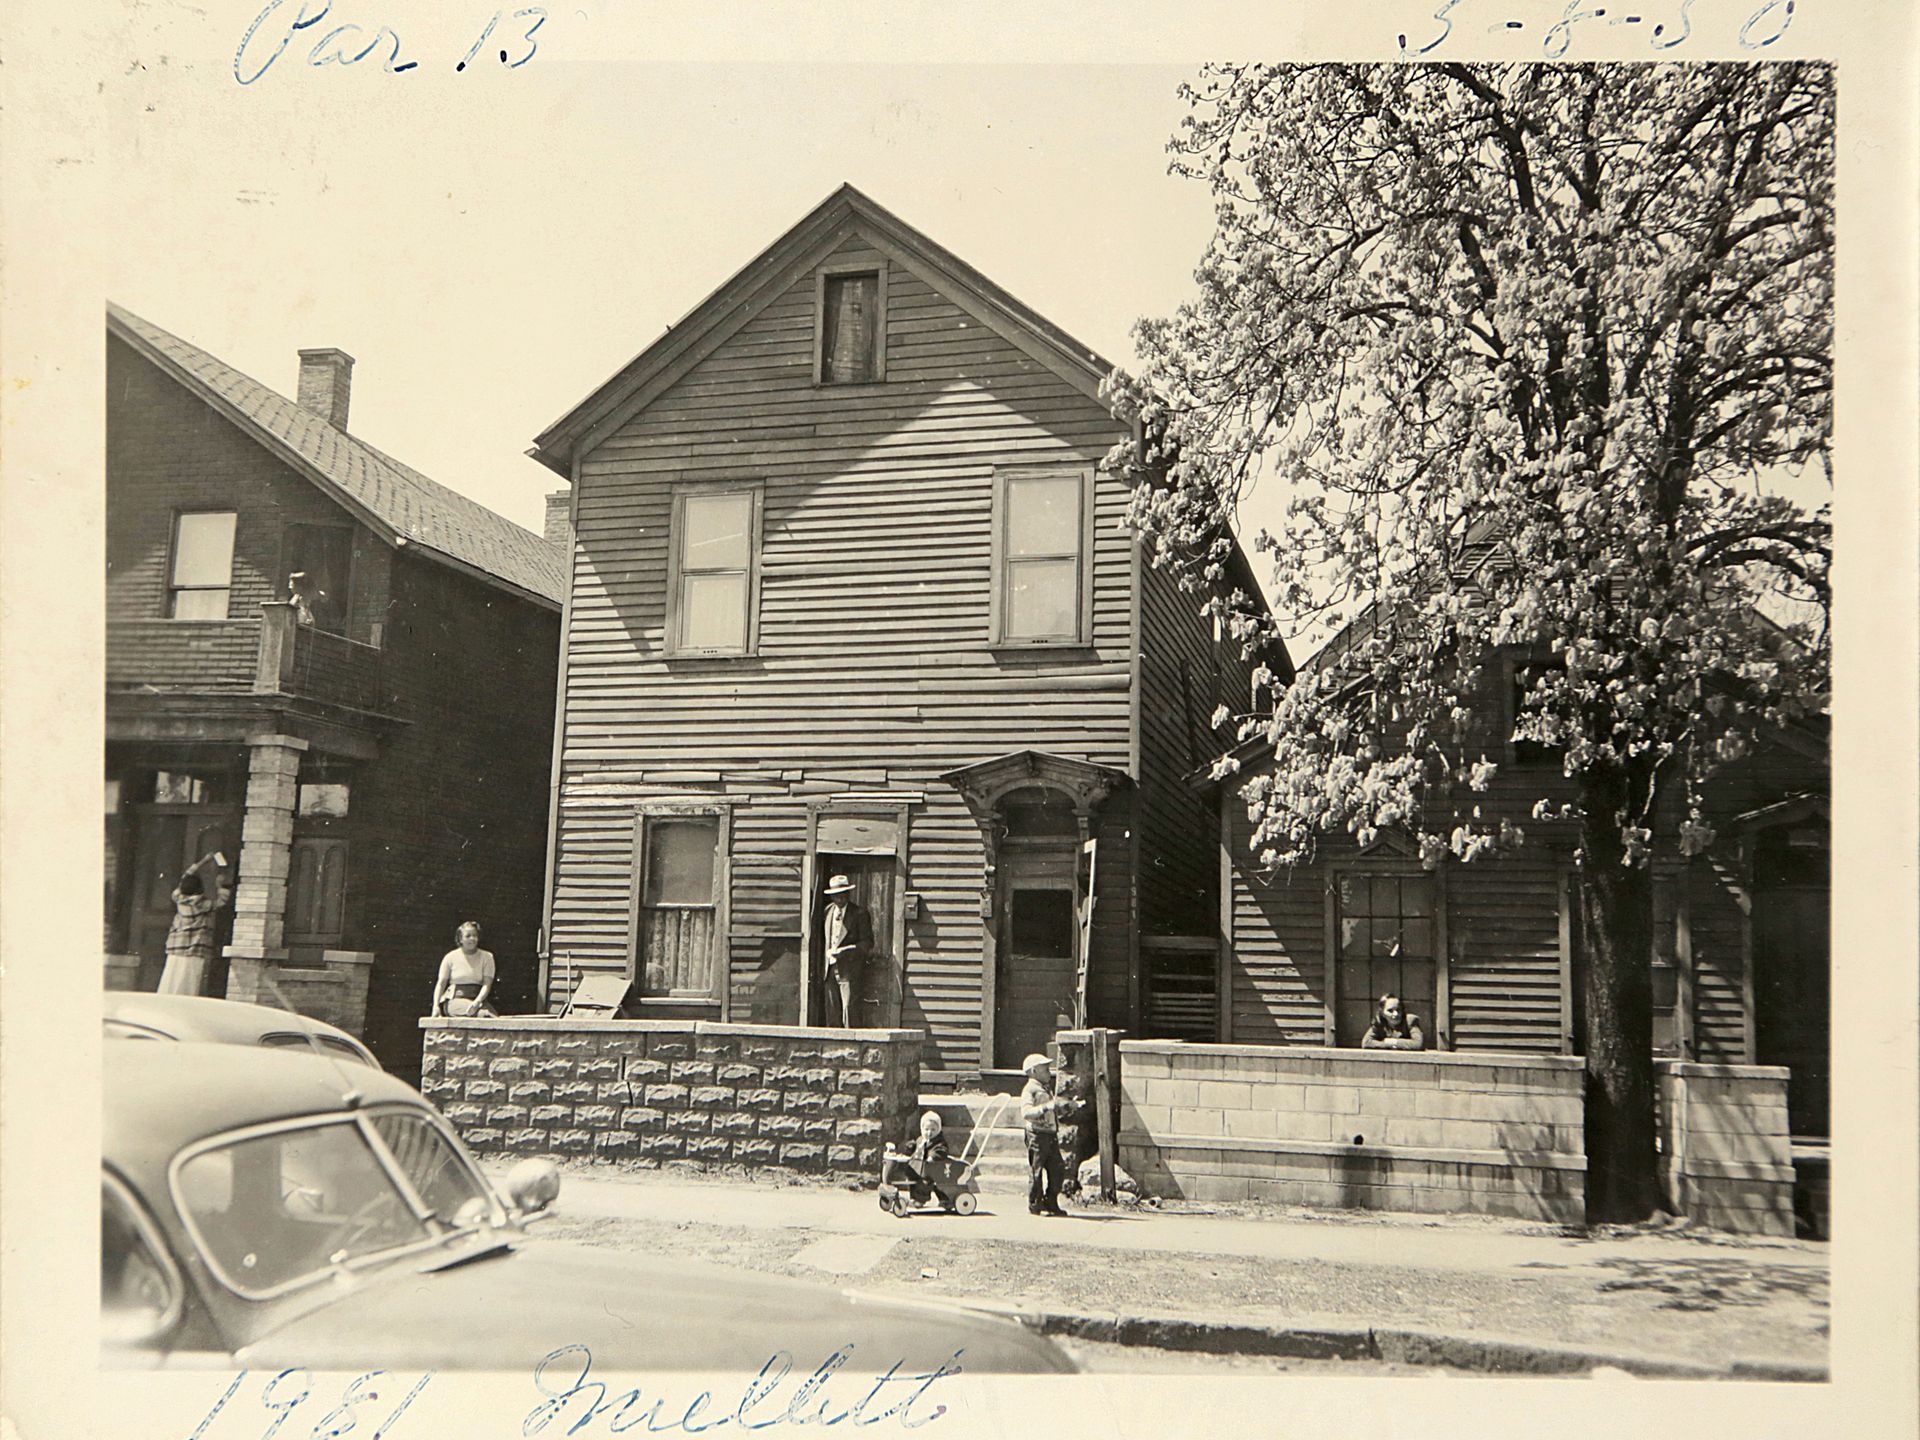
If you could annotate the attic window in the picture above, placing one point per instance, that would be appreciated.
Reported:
(851, 329)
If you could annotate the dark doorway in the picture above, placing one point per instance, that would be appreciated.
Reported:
(168, 837)
(321, 556)
(1035, 979)
(876, 1001)
(1792, 983)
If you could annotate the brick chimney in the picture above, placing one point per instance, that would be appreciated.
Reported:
(559, 526)
(326, 382)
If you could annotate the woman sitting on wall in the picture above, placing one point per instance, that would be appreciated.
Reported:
(1393, 1028)
(466, 976)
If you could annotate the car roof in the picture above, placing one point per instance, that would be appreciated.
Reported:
(158, 1098)
(202, 1017)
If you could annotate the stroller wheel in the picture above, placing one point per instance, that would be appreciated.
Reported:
(965, 1203)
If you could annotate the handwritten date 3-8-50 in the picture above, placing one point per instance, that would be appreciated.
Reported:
(309, 29)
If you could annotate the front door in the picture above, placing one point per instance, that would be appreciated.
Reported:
(876, 999)
(1035, 975)
(167, 839)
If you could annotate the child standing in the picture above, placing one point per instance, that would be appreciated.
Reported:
(1039, 1113)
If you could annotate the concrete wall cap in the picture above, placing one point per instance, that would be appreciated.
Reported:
(552, 1025)
(1367, 1058)
(1702, 1070)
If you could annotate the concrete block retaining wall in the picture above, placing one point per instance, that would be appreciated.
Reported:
(1726, 1158)
(762, 1096)
(1372, 1129)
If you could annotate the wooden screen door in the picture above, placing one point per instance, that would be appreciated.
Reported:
(1035, 974)
(167, 839)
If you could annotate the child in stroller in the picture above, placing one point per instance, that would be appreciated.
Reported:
(909, 1179)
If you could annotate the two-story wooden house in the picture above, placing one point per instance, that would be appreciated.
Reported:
(852, 594)
(331, 668)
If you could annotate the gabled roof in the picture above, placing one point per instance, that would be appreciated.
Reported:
(769, 275)
(395, 501)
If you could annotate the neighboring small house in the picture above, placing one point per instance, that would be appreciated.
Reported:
(852, 593)
(331, 668)
(1487, 952)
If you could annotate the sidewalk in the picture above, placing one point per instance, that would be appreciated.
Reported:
(1471, 1291)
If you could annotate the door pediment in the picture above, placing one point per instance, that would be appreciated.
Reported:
(982, 785)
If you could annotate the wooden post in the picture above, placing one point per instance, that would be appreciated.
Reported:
(1103, 1102)
(273, 661)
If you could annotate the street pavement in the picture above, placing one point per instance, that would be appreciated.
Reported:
(1474, 1292)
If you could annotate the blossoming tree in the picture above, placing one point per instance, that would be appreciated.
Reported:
(1541, 353)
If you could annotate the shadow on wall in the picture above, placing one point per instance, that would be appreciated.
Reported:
(776, 983)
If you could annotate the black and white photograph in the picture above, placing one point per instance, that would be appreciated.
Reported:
(796, 733)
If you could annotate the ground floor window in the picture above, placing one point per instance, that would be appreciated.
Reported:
(679, 925)
(1385, 942)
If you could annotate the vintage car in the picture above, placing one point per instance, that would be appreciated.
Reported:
(139, 1015)
(272, 1209)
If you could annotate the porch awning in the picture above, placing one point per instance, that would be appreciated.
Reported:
(983, 784)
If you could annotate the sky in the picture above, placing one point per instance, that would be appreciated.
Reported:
(529, 238)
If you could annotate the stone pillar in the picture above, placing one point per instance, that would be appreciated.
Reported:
(266, 855)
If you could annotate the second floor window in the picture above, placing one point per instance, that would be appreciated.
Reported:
(1042, 547)
(201, 578)
(716, 547)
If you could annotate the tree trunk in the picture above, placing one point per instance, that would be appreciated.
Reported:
(1616, 915)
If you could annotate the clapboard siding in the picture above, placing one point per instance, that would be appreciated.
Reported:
(1503, 913)
(1185, 675)
(873, 669)
(1503, 946)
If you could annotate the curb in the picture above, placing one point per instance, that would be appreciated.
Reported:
(1407, 1347)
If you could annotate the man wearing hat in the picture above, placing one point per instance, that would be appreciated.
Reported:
(1039, 1113)
(841, 934)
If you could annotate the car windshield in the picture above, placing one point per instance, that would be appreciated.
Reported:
(276, 1208)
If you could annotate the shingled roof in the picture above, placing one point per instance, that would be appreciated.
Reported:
(396, 501)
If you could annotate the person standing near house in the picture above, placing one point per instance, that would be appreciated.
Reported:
(466, 976)
(190, 937)
(1393, 1028)
(1039, 1114)
(841, 934)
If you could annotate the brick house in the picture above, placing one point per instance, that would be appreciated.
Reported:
(368, 741)
(852, 594)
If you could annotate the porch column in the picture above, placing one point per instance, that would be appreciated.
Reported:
(266, 855)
